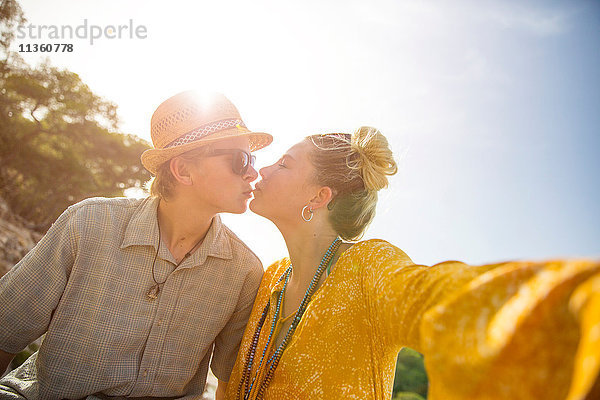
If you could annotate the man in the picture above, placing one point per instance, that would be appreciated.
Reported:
(136, 296)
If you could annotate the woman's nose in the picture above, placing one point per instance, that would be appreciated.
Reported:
(263, 171)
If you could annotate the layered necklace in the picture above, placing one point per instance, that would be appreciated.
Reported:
(248, 382)
(155, 289)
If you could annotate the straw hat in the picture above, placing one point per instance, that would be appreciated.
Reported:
(187, 121)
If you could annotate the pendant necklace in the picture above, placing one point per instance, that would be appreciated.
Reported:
(155, 289)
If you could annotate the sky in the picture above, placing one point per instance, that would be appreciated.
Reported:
(491, 108)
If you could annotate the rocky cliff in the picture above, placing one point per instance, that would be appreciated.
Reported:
(16, 238)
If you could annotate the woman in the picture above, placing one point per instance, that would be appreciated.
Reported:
(329, 320)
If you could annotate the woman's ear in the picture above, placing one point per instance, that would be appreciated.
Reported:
(322, 198)
(181, 171)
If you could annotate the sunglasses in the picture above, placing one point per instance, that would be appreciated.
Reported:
(240, 162)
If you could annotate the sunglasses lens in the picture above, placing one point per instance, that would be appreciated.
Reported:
(241, 161)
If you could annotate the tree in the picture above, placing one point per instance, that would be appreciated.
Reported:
(410, 376)
(11, 16)
(59, 142)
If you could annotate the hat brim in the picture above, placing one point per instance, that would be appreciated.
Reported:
(153, 158)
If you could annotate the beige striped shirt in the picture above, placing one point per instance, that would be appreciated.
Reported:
(85, 286)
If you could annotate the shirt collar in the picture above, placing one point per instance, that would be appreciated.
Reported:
(215, 244)
(142, 230)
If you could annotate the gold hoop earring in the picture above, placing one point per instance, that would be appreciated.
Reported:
(310, 211)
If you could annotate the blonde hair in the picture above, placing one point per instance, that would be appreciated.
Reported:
(163, 184)
(355, 167)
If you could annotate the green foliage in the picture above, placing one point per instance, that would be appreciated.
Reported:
(11, 16)
(407, 396)
(58, 140)
(410, 381)
(21, 357)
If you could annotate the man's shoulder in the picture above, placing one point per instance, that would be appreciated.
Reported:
(103, 206)
(102, 203)
(102, 214)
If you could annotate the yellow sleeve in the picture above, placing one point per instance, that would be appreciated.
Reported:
(585, 305)
(518, 330)
(399, 292)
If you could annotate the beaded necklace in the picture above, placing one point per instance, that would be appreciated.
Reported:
(246, 383)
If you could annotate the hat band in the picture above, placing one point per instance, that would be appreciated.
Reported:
(206, 130)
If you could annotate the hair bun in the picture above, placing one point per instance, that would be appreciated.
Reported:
(375, 160)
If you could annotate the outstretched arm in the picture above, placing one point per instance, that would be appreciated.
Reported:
(399, 292)
(518, 330)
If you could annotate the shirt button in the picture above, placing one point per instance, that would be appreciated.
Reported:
(145, 373)
(159, 323)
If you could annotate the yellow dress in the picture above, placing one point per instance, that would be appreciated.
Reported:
(517, 330)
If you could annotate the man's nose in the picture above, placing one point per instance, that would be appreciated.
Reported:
(251, 174)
